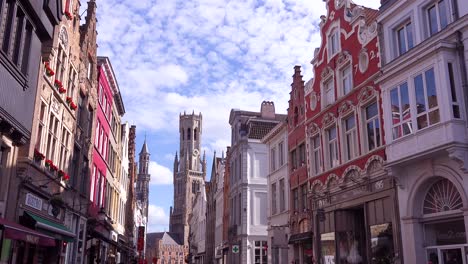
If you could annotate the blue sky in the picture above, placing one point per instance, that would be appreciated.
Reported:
(206, 56)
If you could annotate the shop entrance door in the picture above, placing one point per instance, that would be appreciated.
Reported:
(446, 255)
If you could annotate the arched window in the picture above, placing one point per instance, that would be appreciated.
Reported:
(189, 136)
(195, 134)
(441, 197)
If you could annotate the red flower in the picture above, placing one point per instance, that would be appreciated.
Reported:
(38, 155)
(58, 84)
(49, 72)
(53, 167)
(61, 173)
(49, 163)
(65, 177)
(62, 90)
(68, 15)
(69, 99)
(73, 106)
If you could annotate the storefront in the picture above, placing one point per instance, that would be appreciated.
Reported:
(357, 223)
(302, 248)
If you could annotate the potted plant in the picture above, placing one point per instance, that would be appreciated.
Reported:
(62, 90)
(48, 163)
(48, 71)
(38, 156)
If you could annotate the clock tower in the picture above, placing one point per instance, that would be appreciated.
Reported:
(189, 173)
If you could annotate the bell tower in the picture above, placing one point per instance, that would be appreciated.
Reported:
(142, 185)
(189, 173)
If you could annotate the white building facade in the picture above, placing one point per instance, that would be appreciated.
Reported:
(278, 195)
(219, 201)
(424, 51)
(197, 220)
(247, 233)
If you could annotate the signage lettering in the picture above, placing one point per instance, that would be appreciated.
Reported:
(32, 239)
(33, 201)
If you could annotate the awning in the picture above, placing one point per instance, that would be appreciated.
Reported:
(53, 228)
(98, 235)
(298, 238)
(16, 231)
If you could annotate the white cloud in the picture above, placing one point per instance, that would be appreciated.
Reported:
(160, 175)
(158, 220)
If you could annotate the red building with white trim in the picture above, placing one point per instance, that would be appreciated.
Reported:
(353, 199)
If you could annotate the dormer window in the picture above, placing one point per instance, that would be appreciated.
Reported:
(333, 43)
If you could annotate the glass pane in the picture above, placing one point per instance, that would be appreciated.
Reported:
(402, 40)
(397, 132)
(257, 244)
(452, 256)
(395, 105)
(434, 117)
(371, 111)
(419, 89)
(443, 14)
(431, 88)
(377, 132)
(456, 111)
(432, 16)
(409, 32)
(328, 248)
(331, 134)
(370, 135)
(407, 128)
(405, 105)
(432, 257)
(350, 123)
(422, 121)
(382, 243)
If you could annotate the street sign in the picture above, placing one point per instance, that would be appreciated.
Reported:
(235, 249)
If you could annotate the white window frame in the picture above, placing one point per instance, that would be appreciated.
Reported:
(405, 25)
(399, 125)
(427, 19)
(333, 41)
(346, 76)
(428, 110)
(328, 92)
(350, 139)
(332, 162)
(65, 148)
(366, 121)
(281, 154)
(273, 159)
(316, 154)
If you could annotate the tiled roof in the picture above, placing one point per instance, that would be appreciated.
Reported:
(258, 129)
(166, 238)
(370, 15)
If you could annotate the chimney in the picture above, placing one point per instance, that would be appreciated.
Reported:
(267, 110)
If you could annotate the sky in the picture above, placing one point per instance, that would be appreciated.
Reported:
(207, 56)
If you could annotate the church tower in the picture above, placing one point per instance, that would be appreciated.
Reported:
(143, 179)
(189, 173)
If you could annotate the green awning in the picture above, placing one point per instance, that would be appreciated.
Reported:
(53, 228)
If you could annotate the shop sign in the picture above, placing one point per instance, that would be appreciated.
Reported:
(33, 201)
(32, 239)
(235, 249)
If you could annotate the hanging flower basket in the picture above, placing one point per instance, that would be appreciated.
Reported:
(38, 156)
(48, 71)
(68, 15)
(62, 90)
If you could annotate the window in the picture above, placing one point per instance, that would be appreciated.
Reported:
(304, 197)
(101, 94)
(273, 159)
(52, 136)
(346, 80)
(282, 192)
(401, 113)
(93, 181)
(316, 158)
(260, 252)
(295, 200)
(281, 153)
(273, 198)
(302, 159)
(41, 124)
(426, 99)
(351, 143)
(329, 92)
(293, 159)
(72, 75)
(437, 16)
(332, 148)
(60, 63)
(404, 38)
(90, 68)
(96, 138)
(455, 105)
(189, 136)
(372, 126)
(15, 34)
(64, 151)
(333, 43)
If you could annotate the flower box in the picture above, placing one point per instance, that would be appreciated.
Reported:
(38, 156)
(68, 15)
(48, 71)
(58, 84)
(73, 106)
(62, 90)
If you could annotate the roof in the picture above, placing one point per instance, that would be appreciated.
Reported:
(144, 148)
(370, 15)
(167, 238)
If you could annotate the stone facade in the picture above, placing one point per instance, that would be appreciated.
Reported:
(189, 174)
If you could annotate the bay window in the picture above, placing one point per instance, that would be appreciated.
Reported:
(401, 113)
(426, 99)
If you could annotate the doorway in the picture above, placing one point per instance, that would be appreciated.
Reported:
(446, 255)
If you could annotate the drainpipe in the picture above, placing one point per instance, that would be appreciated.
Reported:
(464, 75)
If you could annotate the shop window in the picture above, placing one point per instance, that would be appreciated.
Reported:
(441, 197)
(401, 113)
(327, 241)
(426, 99)
(260, 252)
(382, 250)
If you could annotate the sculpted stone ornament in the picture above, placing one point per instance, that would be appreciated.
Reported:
(63, 36)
